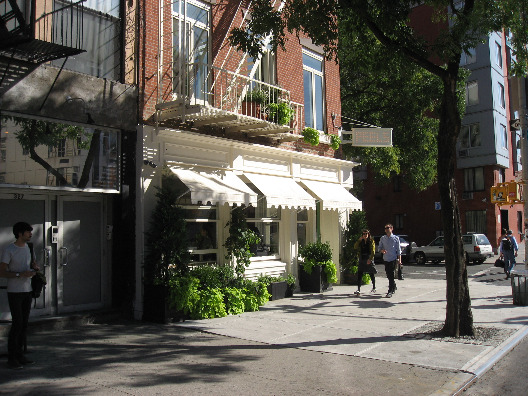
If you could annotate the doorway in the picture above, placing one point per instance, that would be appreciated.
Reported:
(68, 243)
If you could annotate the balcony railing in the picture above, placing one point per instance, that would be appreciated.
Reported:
(210, 96)
(41, 31)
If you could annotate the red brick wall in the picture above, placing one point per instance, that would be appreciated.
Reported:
(225, 16)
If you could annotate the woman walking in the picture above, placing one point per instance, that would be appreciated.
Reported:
(366, 249)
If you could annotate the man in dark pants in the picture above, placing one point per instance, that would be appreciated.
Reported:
(16, 265)
(389, 245)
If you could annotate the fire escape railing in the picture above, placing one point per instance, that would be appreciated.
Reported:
(210, 86)
(43, 31)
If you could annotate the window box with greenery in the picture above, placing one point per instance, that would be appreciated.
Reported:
(317, 271)
(311, 136)
(166, 256)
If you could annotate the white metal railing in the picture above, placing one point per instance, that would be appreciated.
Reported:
(203, 84)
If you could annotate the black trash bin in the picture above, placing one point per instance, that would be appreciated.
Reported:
(519, 284)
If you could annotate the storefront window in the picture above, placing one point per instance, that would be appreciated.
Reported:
(302, 223)
(41, 153)
(202, 226)
(264, 222)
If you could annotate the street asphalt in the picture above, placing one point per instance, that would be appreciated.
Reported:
(333, 343)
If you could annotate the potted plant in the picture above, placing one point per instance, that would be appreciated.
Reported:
(254, 101)
(280, 113)
(317, 271)
(240, 241)
(279, 286)
(166, 254)
(311, 136)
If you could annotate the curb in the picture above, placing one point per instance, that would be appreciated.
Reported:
(454, 388)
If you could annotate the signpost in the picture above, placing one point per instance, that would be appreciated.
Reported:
(369, 137)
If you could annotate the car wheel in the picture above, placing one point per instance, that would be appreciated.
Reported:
(479, 261)
(419, 257)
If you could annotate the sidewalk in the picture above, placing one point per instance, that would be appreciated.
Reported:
(333, 342)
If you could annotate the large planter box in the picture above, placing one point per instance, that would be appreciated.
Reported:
(156, 307)
(278, 290)
(314, 282)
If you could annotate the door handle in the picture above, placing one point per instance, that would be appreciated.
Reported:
(47, 252)
(64, 256)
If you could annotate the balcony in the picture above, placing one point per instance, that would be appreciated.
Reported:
(211, 99)
(38, 31)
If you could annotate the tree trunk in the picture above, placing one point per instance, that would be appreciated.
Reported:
(94, 149)
(459, 318)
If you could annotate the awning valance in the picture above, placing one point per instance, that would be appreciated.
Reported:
(333, 196)
(224, 187)
(282, 191)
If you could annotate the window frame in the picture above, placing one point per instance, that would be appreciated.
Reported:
(187, 54)
(194, 250)
(313, 93)
(504, 136)
(472, 91)
(470, 134)
(498, 54)
(477, 220)
(472, 176)
(501, 98)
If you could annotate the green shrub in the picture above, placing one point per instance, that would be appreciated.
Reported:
(210, 304)
(234, 300)
(250, 301)
(258, 96)
(335, 142)
(319, 253)
(280, 113)
(183, 293)
(214, 276)
(311, 136)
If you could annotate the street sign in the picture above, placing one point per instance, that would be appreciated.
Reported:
(369, 137)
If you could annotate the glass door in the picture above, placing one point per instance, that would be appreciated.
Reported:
(34, 209)
(80, 268)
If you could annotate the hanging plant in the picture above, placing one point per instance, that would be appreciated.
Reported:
(241, 238)
(311, 136)
(335, 142)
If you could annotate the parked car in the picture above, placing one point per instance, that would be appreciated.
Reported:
(405, 248)
(477, 248)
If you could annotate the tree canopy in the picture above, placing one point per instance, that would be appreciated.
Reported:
(459, 27)
(390, 92)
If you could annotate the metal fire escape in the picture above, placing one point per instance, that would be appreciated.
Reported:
(38, 31)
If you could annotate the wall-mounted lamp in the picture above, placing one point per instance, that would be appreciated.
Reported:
(334, 116)
(150, 163)
(89, 119)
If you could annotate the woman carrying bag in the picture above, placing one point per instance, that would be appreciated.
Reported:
(366, 248)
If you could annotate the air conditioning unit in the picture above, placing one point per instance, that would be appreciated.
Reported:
(467, 195)
(463, 153)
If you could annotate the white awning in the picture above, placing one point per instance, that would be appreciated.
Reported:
(333, 196)
(282, 191)
(219, 188)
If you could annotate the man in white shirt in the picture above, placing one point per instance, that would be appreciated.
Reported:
(18, 267)
(389, 245)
